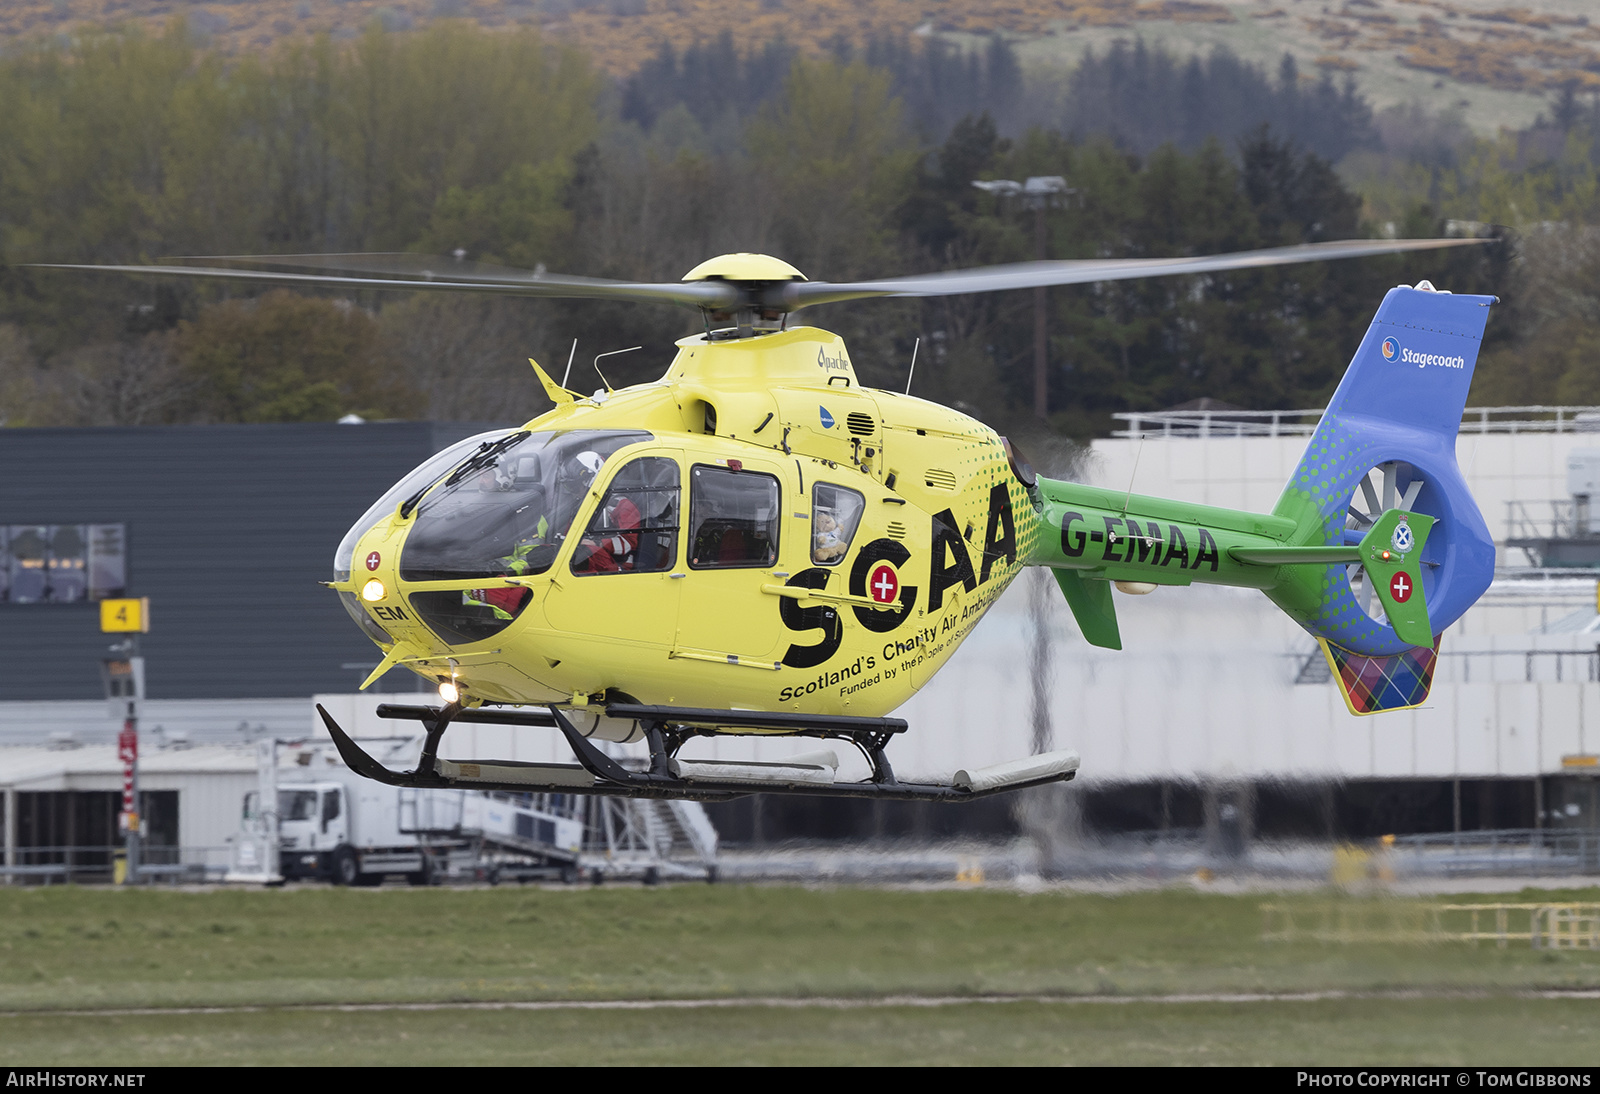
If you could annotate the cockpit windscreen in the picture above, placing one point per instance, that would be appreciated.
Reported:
(506, 511)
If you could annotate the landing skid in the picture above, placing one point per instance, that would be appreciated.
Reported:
(667, 729)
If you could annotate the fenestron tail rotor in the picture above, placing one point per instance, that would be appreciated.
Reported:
(1391, 485)
(752, 291)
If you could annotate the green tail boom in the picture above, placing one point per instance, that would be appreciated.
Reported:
(1095, 537)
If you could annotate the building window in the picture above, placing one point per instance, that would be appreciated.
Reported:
(62, 563)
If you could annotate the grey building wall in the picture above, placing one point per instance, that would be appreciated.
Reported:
(229, 529)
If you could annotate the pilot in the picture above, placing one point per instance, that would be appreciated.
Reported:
(590, 462)
(613, 552)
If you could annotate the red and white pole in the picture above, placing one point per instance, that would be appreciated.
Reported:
(128, 753)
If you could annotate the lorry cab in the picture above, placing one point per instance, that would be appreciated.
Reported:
(314, 820)
(313, 817)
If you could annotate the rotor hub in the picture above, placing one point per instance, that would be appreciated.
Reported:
(759, 309)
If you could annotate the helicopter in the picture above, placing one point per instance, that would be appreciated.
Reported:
(755, 543)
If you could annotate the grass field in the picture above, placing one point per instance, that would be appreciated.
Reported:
(822, 959)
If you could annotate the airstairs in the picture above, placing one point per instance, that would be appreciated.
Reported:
(649, 840)
(492, 835)
(526, 836)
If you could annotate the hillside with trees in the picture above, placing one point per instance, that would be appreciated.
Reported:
(510, 147)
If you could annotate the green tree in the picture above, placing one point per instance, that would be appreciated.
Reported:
(417, 116)
(288, 358)
(836, 161)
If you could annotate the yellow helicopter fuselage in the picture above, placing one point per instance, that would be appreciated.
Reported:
(764, 534)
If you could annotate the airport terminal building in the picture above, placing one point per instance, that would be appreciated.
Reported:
(1218, 717)
(227, 530)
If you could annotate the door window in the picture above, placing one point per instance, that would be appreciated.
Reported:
(733, 518)
(635, 529)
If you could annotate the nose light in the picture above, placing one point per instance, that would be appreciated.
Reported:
(449, 692)
(373, 591)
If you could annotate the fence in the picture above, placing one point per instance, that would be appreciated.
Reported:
(1521, 851)
(1301, 423)
(1543, 925)
(97, 864)
(1481, 667)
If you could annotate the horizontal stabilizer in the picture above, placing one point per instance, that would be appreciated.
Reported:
(1294, 556)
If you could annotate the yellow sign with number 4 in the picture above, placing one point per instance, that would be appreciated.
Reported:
(125, 615)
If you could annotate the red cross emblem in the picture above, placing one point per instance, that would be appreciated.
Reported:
(884, 585)
(1400, 588)
(373, 559)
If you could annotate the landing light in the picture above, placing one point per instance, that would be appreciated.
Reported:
(449, 692)
(373, 591)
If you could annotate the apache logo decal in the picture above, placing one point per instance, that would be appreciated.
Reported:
(1391, 350)
(831, 364)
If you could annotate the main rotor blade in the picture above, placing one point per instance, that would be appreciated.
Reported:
(1033, 275)
(406, 264)
(706, 294)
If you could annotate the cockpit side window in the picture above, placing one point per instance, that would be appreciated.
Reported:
(733, 518)
(835, 516)
(635, 529)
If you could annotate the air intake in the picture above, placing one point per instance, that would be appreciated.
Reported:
(860, 424)
(939, 479)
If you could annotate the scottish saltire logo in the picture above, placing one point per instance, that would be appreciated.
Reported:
(1402, 540)
(827, 419)
(1391, 350)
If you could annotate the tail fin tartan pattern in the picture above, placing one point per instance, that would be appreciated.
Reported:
(1371, 684)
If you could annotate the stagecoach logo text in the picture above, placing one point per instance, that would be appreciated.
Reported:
(1393, 351)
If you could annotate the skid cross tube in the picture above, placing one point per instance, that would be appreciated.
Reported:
(664, 727)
